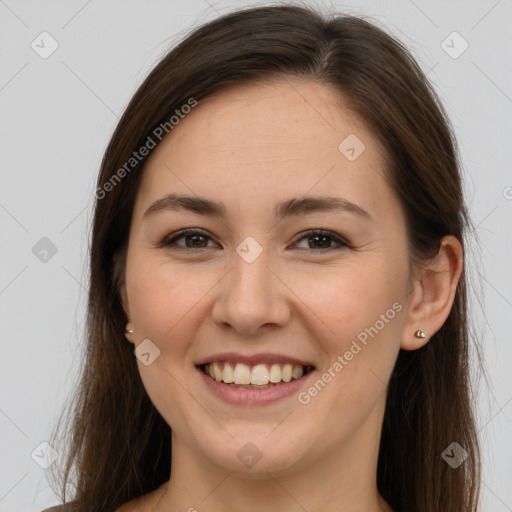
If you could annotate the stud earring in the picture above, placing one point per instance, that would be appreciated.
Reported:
(420, 334)
(128, 331)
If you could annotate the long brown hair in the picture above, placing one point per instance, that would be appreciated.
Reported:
(117, 443)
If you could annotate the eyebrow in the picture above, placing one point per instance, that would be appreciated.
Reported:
(288, 208)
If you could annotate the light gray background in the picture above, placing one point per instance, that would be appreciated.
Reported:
(57, 115)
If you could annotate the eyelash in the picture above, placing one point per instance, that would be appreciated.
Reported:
(171, 240)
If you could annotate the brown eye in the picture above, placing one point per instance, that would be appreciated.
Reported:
(322, 240)
(194, 239)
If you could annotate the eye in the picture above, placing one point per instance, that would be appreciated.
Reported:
(196, 239)
(319, 236)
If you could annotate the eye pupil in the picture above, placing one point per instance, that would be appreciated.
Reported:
(195, 237)
(316, 237)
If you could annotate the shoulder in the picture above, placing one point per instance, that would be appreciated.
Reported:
(127, 507)
(66, 507)
(62, 508)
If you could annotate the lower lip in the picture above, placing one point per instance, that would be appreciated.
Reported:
(239, 396)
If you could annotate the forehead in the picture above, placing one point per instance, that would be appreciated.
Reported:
(280, 117)
(265, 141)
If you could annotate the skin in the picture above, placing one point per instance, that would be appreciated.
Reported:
(251, 147)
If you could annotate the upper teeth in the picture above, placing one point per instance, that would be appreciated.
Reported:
(259, 374)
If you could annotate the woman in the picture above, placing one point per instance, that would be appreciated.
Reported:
(277, 309)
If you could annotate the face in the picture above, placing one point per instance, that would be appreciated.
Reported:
(254, 291)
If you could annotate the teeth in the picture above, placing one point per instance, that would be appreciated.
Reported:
(217, 372)
(298, 371)
(228, 375)
(275, 373)
(258, 375)
(286, 373)
(242, 374)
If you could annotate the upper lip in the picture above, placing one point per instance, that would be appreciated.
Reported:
(253, 359)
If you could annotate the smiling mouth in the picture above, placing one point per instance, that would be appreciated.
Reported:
(258, 376)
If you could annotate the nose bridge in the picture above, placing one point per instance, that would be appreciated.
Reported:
(250, 295)
(251, 274)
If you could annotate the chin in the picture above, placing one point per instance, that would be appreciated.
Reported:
(255, 456)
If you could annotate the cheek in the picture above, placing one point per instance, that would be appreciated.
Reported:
(360, 318)
(162, 302)
(352, 298)
(162, 297)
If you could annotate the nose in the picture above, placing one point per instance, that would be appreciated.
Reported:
(251, 296)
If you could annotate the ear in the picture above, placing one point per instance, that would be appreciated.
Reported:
(124, 300)
(126, 306)
(432, 294)
(119, 262)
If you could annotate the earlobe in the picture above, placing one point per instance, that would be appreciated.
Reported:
(124, 301)
(128, 332)
(432, 297)
(420, 334)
